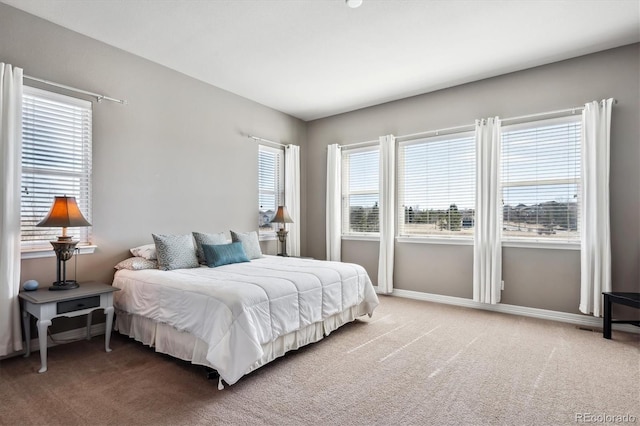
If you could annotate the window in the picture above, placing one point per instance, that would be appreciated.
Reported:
(56, 160)
(360, 190)
(270, 187)
(436, 186)
(540, 179)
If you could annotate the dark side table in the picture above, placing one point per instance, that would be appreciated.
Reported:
(628, 299)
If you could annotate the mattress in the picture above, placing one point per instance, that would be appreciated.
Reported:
(241, 316)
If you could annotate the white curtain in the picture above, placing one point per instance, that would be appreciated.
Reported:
(10, 172)
(292, 196)
(334, 202)
(595, 255)
(487, 246)
(387, 213)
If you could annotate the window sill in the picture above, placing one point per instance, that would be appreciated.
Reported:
(267, 237)
(541, 244)
(436, 240)
(363, 237)
(533, 244)
(38, 253)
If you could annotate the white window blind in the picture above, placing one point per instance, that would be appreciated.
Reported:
(270, 186)
(56, 160)
(540, 179)
(360, 190)
(436, 186)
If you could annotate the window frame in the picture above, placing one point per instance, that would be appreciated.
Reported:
(540, 241)
(346, 193)
(263, 233)
(40, 247)
(444, 238)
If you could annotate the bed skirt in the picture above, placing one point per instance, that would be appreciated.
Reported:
(185, 346)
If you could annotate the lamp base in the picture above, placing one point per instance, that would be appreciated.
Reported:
(64, 249)
(282, 236)
(64, 285)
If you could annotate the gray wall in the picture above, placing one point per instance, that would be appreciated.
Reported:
(175, 160)
(547, 279)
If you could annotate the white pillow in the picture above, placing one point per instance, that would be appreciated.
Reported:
(137, 264)
(148, 251)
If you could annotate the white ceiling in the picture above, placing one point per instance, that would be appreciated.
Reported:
(316, 58)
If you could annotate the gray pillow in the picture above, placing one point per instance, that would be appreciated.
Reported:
(249, 242)
(175, 252)
(207, 239)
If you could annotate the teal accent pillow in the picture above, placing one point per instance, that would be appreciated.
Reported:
(224, 254)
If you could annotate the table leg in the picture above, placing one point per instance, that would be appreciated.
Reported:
(89, 315)
(43, 326)
(606, 329)
(107, 335)
(27, 332)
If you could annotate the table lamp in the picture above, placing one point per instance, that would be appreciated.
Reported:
(64, 213)
(282, 216)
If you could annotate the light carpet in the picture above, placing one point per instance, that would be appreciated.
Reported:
(412, 363)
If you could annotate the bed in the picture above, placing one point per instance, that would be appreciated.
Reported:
(238, 317)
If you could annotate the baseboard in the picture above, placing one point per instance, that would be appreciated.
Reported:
(62, 337)
(577, 319)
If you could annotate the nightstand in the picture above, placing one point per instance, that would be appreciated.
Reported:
(46, 305)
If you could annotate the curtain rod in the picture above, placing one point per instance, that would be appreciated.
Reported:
(359, 143)
(266, 140)
(470, 126)
(98, 96)
(454, 129)
(542, 114)
(448, 129)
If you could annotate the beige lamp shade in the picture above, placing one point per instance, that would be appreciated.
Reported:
(64, 213)
(282, 216)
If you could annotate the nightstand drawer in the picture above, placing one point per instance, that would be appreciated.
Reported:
(78, 304)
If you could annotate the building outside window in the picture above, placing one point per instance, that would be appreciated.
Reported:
(540, 180)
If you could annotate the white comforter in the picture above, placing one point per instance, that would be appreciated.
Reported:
(237, 308)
